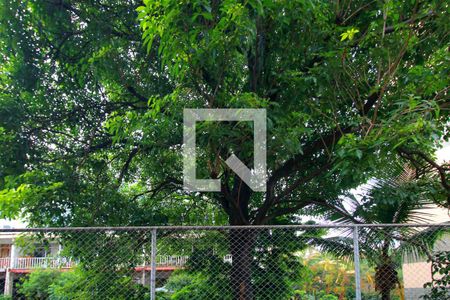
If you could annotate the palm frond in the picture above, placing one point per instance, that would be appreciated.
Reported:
(419, 244)
(341, 247)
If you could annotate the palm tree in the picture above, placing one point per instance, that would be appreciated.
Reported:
(386, 201)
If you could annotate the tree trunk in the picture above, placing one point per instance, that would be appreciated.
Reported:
(386, 294)
(386, 275)
(242, 243)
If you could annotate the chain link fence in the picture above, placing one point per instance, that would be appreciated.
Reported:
(323, 262)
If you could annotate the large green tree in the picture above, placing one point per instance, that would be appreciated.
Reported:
(92, 96)
(349, 88)
(71, 71)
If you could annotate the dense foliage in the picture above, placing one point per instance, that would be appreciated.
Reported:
(91, 113)
(74, 284)
(275, 267)
(92, 96)
(440, 265)
(387, 248)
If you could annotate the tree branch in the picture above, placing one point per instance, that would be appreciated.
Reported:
(158, 188)
(441, 169)
(126, 166)
(390, 29)
(283, 211)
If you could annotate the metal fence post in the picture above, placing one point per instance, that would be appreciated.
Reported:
(357, 265)
(153, 267)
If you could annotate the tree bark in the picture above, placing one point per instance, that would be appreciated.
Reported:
(386, 276)
(242, 242)
(385, 294)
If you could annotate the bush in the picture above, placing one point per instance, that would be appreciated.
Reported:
(303, 295)
(67, 286)
(179, 280)
(36, 285)
(440, 268)
(329, 297)
(186, 286)
(51, 285)
(78, 284)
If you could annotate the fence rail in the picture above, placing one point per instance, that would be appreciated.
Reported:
(65, 262)
(214, 228)
(41, 262)
(5, 262)
(362, 261)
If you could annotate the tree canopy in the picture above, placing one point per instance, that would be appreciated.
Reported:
(92, 96)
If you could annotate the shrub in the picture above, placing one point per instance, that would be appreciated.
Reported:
(36, 285)
(78, 284)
